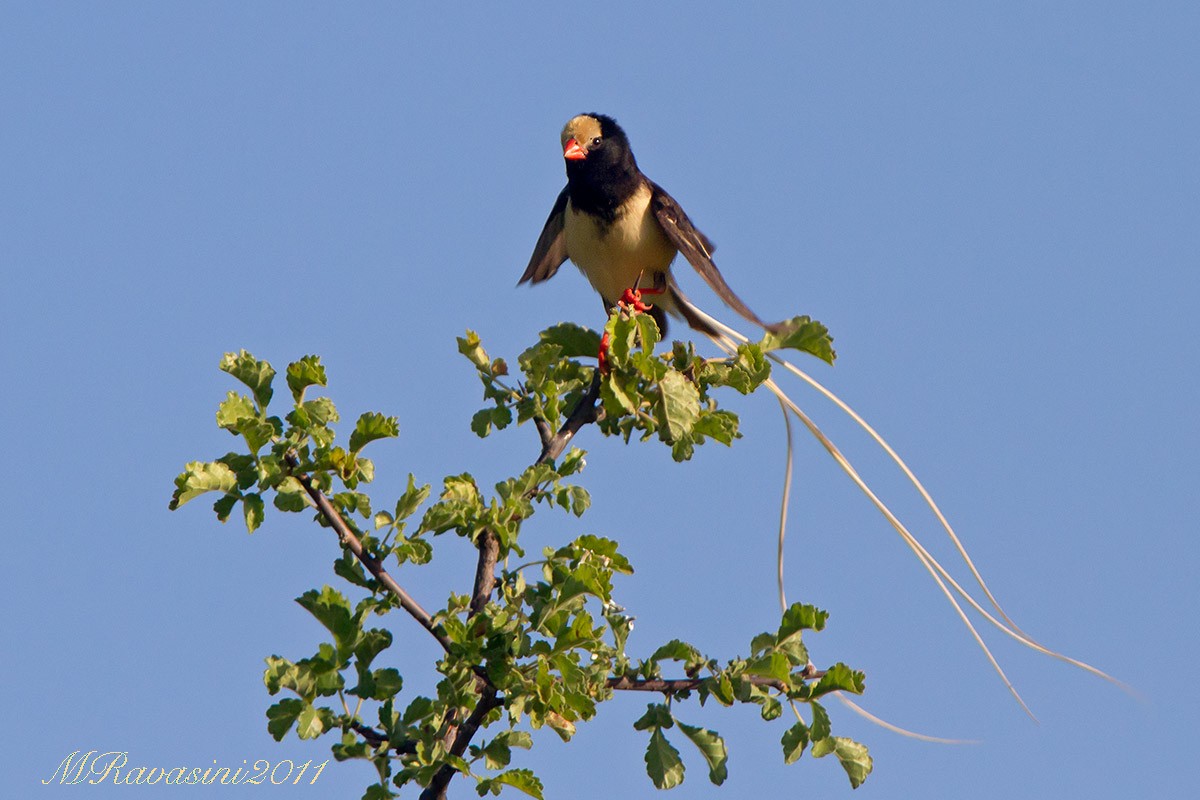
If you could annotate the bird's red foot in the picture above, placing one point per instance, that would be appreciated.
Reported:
(631, 301)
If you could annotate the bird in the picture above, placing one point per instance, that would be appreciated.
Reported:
(623, 230)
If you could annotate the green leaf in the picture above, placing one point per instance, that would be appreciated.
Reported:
(348, 567)
(575, 341)
(309, 724)
(648, 332)
(712, 747)
(379, 791)
(677, 650)
(332, 609)
(304, 373)
(820, 727)
(749, 369)
(804, 334)
(291, 496)
(522, 779)
(254, 373)
(224, 506)
(853, 757)
(372, 426)
(619, 395)
(199, 477)
(498, 417)
(721, 426)
(470, 347)
(839, 677)
(800, 617)
(388, 683)
(657, 716)
(252, 507)
(621, 330)
(795, 739)
(663, 764)
(680, 406)
(233, 409)
(412, 498)
(282, 715)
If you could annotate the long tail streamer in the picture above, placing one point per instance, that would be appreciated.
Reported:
(727, 339)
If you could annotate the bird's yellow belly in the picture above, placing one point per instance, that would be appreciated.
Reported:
(613, 257)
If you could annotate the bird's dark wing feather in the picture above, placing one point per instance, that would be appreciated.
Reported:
(696, 249)
(551, 249)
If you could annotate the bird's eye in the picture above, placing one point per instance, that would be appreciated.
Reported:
(596, 142)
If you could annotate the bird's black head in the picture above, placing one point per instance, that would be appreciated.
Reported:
(601, 170)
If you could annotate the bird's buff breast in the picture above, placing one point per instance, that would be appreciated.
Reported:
(613, 256)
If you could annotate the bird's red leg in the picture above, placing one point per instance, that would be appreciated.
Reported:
(602, 357)
(631, 301)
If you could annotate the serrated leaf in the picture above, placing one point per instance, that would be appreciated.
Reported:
(837, 678)
(379, 791)
(224, 506)
(712, 747)
(749, 368)
(290, 496)
(580, 500)
(351, 569)
(621, 331)
(663, 764)
(282, 715)
(804, 334)
(233, 409)
(306, 372)
(252, 510)
(199, 477)
(481, 422)
(412, 498)
(254, 373)
(522, 779)
(388, 683)
(372, 426)
(680, 406)
(575, 341)
(332, 609)
(677, 650)
(309, 724)
(800, 617)
(795, 739)
(721, 426)
(657, 716)
(618, 395)
(648, 333)
(853, 757)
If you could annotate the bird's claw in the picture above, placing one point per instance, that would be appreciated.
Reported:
(631, 301)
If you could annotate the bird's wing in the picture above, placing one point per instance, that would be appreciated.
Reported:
(551, 249)
(696, 249)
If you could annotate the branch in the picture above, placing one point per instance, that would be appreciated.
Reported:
(373, 565)
(488, 700)
(670, 686)
(585, 411)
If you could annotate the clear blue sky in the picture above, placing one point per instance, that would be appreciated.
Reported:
(994, 210)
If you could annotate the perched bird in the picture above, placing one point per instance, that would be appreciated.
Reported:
(623, 230)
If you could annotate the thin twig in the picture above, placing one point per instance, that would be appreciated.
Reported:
(373, 565)
(670, 686)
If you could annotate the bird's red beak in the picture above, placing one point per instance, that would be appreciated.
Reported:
(573, 152)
